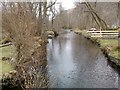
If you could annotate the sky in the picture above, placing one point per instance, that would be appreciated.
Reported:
(67, 4)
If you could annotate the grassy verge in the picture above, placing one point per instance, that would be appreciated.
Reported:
(112, 47)
(5, 66)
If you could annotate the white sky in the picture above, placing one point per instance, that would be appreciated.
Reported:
(67, 4)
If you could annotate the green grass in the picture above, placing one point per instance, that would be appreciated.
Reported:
(109, 43)
(6, 51)
(113, 45)
(5, 66)
(114, 54)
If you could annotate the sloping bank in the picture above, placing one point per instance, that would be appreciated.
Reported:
(109, 47)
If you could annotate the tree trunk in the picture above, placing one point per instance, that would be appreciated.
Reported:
(40, 19)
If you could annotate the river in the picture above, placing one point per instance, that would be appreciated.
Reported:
(75, 62)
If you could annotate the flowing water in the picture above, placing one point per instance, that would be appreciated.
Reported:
(74, 62)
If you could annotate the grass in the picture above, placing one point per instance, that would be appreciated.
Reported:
(6, 51)
(113, 45)
(5, 66)
(115, 54)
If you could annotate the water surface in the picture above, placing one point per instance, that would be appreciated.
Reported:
(74, 62)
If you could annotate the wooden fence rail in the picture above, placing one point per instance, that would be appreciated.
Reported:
(103, 33)
(7, 44)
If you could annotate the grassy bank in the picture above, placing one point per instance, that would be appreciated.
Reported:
(111, 46)
(5, 66)
(113, 49)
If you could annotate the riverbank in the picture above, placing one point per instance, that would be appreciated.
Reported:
(110, 47)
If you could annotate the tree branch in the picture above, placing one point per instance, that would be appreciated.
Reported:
(52, 4)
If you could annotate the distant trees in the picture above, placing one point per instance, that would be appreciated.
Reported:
(98, 14)
(43, 19)
(58, 19)
(62, 19)
(91, 14)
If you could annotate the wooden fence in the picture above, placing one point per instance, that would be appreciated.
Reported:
(103, 33)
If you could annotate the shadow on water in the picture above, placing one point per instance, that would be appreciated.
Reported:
(115, 67)
(74, 62)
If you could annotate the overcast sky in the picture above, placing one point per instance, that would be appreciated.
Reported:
(67, 4)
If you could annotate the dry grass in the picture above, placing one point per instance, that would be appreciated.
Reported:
(78, 31)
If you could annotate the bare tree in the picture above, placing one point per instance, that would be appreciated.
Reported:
(20, 21)
(93, 14)
(44, 6)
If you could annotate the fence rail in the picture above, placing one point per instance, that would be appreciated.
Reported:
(103, 33)
(7, 44)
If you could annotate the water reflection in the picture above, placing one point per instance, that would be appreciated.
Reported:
(74, 62)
